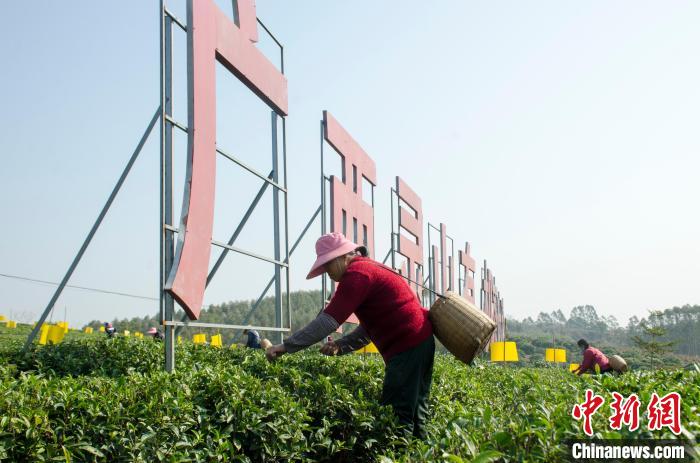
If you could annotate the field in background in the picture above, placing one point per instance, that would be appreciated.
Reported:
(94, 399)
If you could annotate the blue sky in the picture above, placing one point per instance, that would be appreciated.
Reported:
(559, 138)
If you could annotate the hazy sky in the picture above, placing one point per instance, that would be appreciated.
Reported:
(559, 138)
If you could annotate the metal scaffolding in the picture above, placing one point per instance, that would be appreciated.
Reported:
(167, 230)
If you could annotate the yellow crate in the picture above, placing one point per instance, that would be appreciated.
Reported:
(199, 338)
(126, 333)
(63, 325)
(555, 355)
(44, 334)
(560, 355)
(56, 334)
(573, 366)
(502, 351)
(11, 324)
(216, 341)
(2, 318)
(88, 329)
(549, 355)
(102, 329)
(138, 334)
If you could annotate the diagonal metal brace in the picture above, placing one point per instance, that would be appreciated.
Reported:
(272, 280)
(233, 239)
(92, 232)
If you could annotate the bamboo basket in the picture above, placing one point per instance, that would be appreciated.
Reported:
(462, 328)
(617, 363)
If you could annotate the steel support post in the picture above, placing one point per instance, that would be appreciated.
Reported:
(167, 306)
(324, 290)
(393, 249)
(276, 231)
(431, 277)
(286, 216)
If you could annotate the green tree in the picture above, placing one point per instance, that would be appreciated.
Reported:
(651, 342)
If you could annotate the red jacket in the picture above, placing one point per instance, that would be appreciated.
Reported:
(385, 305)
(592, 357)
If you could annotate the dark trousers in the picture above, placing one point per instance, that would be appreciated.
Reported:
(407, 380)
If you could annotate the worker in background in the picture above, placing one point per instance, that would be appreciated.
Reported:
(253, 339)
(109, 330)
(390, 315)
(157, 335)
(591, 358)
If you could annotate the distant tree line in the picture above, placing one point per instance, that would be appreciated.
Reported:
(680, 325)
(679, 332)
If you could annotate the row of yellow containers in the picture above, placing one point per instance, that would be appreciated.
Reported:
(508, 352)
(555, 355)
(13, 324)
(216, 340)
(500, 351)
(137, 334)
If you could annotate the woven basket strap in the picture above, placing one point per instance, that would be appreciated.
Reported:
(380, 265)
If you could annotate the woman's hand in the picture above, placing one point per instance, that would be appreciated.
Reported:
(330, 348)
(273, 352)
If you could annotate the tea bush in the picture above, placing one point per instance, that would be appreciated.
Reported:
(96, 399)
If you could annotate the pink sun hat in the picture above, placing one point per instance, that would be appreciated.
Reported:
(152, 331)
(328, 247)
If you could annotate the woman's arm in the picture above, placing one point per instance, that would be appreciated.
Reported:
(587, 362)
(356, 339)
(316, 330)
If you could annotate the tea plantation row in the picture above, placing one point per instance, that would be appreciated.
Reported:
(96, 399)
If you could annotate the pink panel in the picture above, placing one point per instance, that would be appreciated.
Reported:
(409, 196)
(411, 249)
(211, 36)
(347, 147)
(236, 52)
(414, 226)
(247, 19)
(469, 264)
(344, 197)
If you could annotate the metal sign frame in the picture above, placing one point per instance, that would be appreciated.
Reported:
(446, 262)
(491, 303)
(425, 295)
(168, 230)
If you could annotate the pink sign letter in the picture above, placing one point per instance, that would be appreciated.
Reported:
(211, 37)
